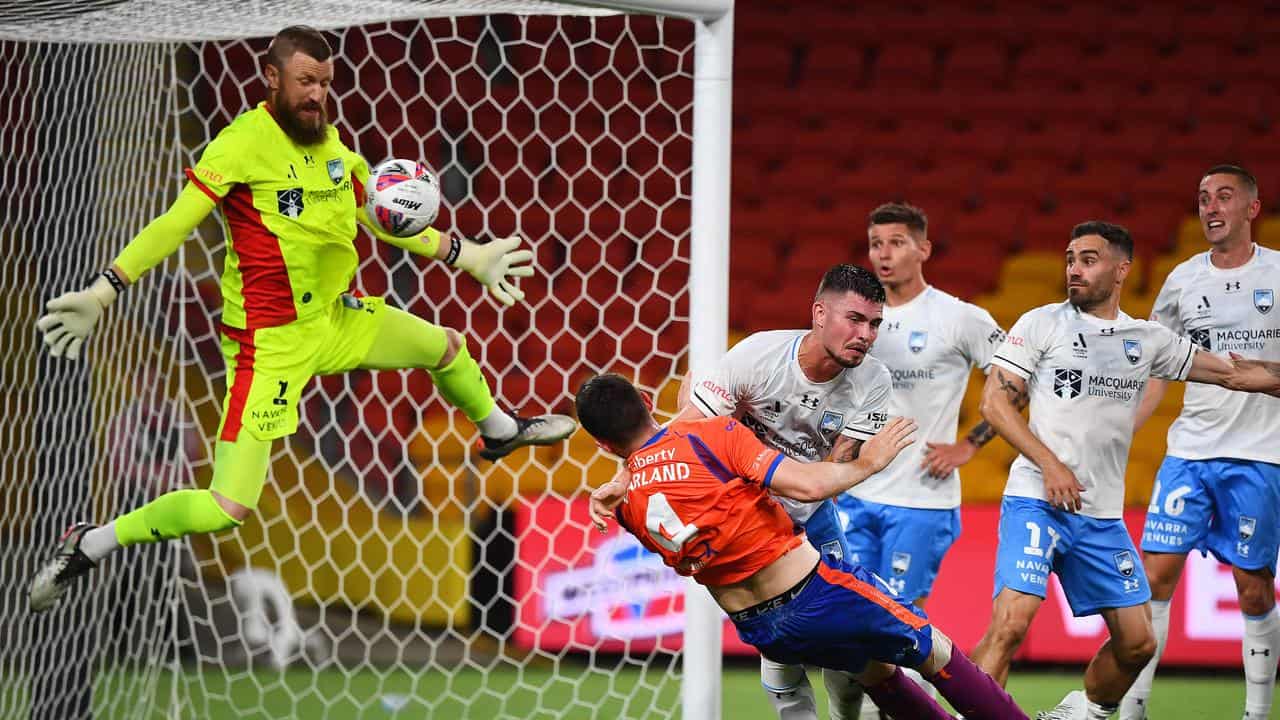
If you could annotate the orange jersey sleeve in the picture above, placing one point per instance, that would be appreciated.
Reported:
(698, 497)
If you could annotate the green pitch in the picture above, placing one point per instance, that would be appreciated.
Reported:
(542, 693)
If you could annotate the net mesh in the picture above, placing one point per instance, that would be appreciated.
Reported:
(383, 570)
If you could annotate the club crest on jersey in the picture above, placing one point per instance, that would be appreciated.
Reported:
(289, 202)
(1124, 562)
(1263, 300)
(831, 422)
(1201, 337)
(917, 340)
(1246, 527)
(900, 563)
(1133, 351)
(336, 172)
(1066, 382)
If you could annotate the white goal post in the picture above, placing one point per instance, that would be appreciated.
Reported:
(103, 99)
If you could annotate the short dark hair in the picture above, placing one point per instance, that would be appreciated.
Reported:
(1115, 235)
(297, 38)
(904, 213)
(1250, 181)
(611, 409)
(854, 279)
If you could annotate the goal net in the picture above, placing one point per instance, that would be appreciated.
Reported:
(387, 568)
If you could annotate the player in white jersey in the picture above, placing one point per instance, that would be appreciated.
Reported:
(813, 394)
(1084, 364)
(900, 522)
(1218, 489)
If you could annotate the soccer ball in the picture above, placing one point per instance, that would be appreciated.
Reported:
(403, 197)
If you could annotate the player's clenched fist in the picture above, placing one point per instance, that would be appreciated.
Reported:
(71, 317)
(492, 263)
(885, 445)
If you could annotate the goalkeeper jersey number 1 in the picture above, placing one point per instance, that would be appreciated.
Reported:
(289, 215)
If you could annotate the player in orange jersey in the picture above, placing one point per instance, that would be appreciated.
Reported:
(699, 496)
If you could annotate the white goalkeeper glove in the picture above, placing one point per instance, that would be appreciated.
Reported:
(72, 315)
(492, 263)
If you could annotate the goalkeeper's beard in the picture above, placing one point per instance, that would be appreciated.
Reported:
(301, 131)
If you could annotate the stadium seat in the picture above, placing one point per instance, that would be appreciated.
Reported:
(904, 65)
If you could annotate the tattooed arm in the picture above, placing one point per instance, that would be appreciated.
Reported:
(1003, 398)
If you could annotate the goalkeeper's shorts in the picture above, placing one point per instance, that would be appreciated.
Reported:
(268, 368)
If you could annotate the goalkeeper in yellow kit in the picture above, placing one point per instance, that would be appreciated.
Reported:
(291, 194)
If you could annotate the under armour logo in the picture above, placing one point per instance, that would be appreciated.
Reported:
(1233, 286)
(809, 401)
(1264, 653)
(1107, 331)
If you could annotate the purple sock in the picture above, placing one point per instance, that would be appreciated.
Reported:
(901, 698)
(973, 693)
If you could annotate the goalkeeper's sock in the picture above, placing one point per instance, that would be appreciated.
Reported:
(498, 425)
(1134, 704)
(173, 515)
(100, 542)
(464, 387)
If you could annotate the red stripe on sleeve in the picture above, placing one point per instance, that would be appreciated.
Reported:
(191, 175)
(266, 290)
(845, 580)
(239, 390)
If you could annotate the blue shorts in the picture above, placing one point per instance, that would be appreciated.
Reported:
(903, 545)
(1094, 559)
(842, 618)
(824, 531)
(1230, 508)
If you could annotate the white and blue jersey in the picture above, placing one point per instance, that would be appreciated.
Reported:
(1218, 488)
(901, 521)
(1085, 377)
(760, 382)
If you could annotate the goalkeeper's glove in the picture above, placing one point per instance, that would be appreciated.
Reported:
(72, 315)
(492, 263)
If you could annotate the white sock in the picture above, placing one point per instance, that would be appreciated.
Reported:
(870, 711)
(498, 425)
(100, 542)
(1096, 711)
(789, 690)
(844, 695)
(1260, 649)
(1134, 704)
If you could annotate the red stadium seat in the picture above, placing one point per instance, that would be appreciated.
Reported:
(834, 65)
(904, 65)
(976, 66)
(1048, 65)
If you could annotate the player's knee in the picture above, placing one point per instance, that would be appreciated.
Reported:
(234, 510)
(453, 344)
(1137, 652)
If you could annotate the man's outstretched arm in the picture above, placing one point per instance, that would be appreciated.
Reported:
(71, 316)
(494, 264)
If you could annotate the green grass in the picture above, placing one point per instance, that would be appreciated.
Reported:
(573, 692)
